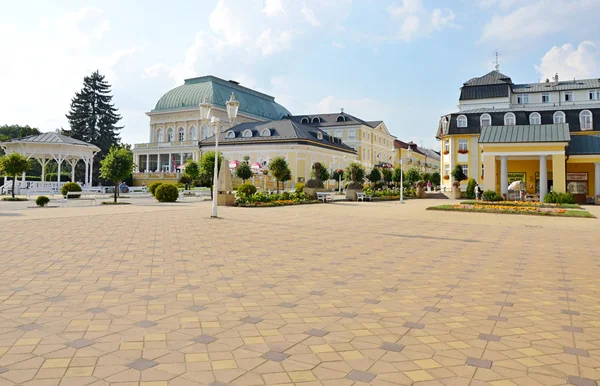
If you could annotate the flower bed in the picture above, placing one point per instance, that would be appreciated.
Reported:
(505, 208)
(535, 204)
(261, 199)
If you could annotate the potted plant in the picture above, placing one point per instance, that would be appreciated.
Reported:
(356, 174)
(458, 176)
(420, 189)
(315, 184)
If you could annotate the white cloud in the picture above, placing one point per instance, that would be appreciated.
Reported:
(270, 44)
(274, 8)
(309, 15)
(570, 62)
(416, 21)
(498, 3)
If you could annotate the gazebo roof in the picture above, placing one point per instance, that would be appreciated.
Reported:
(51, 138)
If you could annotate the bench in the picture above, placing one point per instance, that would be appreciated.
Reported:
(87, 196)
(41, 191)
(138, 189)
(361, 196)
(325, 196)
(198, 193)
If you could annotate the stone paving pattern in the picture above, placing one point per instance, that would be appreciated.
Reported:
(327, 294)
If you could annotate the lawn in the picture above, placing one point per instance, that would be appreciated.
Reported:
(523, 203)
(515, 209)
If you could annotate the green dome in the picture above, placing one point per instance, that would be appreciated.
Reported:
(218, 91)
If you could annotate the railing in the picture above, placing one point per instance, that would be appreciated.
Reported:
(22, 186)
(156, 176)
(158, 145)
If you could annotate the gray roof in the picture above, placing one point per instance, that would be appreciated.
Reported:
(492, 77)
(532, 108)
(51, 137)
(525, 133)
(584, 145)
(281, 130)
(574, 84)
(331, 119)
(429, 153)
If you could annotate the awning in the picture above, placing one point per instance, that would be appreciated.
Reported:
(256, 166)
(234, 164)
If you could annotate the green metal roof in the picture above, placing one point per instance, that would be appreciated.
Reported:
(525, 133)
(217, 91)
(584, 145)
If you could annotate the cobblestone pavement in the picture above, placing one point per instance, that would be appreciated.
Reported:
(326, 294)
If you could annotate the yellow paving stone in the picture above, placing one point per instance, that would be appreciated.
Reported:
(458, 344)
(254, 340)
(154, 383)
(518, 331)
(319, 348)
(201, 357)
(349, 355)
(301, 376)
(503, 383)
(79, 371)
(56, 363)
(154, 337)
(224, 365)
(132, 346)
(530, 351)
(29, 341)
(529, 362)
(418, 375)
(268, 332)
(426, 339)
(359, 332)
(209, 324)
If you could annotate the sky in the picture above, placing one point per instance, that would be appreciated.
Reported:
(401, 61)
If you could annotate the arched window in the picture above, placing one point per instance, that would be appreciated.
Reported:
(265, 133)
(304, 120)
(535, 119)
(559, 117)
(230, 134)
(319, 135)
(341, 118)
(247, 134)
(444, 125)
(485, 120)
(205, 132)
(160, 135)
(586, 120)
(194, 133)
(461, 121)
(510, 119)
(170, 135)
(181, 136)
(316, 120)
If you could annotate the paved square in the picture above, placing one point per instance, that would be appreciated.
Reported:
(327, 294)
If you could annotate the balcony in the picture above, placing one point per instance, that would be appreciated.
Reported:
(162, 145)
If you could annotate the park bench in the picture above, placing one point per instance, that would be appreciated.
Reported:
(325, 196)
(361, 196)
(138, 189)
(85, 196)
(41, 191)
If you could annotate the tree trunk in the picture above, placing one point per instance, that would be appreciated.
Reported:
(116, 189)
(13, 188)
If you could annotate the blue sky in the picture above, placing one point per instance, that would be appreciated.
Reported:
(398, 61)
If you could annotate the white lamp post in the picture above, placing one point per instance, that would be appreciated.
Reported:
(408, 155)
(205, 109)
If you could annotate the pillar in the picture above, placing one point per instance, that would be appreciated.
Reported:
(170, 162)
(87, 174)
(59, 162)
(597, 178)
(147, 163)
(73, 170)
(43, 162)
(503, 175)
(91, 171)
(559, 183)
(543, 178)
(23, 177)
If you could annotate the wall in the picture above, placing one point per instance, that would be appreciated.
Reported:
(584, 168)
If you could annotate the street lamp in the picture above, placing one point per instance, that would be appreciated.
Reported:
(408, 154)
(205, 109)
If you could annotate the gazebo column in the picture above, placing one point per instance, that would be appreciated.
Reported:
(43, 162)
(23, 177)
(87, 174)
(91, 170)
(73, 162)
(543, 178)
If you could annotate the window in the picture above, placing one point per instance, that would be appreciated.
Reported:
(594, 94)
(319, 135)
(181, 134)
(341, 118)
(485, 120)
(160, 135)
(569, 96)
(559, 117)
(352, 134)
(510, 119)
(444, 125)
(482, 171)
(546, 98)
(364, 135)
(461, 121)
(522, 99)
(535, 119)
(247, 134)
(316, 120)
(304, 120)
(446, 170)
(230, 134)
(265, 133)
(170, 135)
(465, 168)
(194, 133)
(586, 120)
(205, 132)
(338, 134)
(446, 145)
(463, 144)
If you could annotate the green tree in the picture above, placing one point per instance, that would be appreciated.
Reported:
(470, 193)
(458, 174)
(93, 117)
(243, 171)
(280, 170)
(355, 172)
(117, 166)
(324, 173)
(374, 176)
(426, 177)
(16, 131)
(207, 168)
(387, 174)
(412, 176)
(192, 170)
(398, 175)
(337, 174)
(436, 178)
(14, 164)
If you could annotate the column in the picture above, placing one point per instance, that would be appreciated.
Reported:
(147, 163)
(170, 162)
(73, 170)
(59, 162)
(181, 160)
(43, 162)
(91, 171)
(559, 183)
(504, 176)
(543, 178)
(596, 178)
(489, 180)
(86, 161)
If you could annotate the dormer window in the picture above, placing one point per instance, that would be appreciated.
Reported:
(319, 135)
(523, 99)
(304, 120)
(586, 120)
(444, 126)
(316, 120)
(230, 134)
(559, 117)
(265, 133)
(510, 119)
(341, 118)
(247, 134)
(535, 119)
(485, 120)
(461, 121)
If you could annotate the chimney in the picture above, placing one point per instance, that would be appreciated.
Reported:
(547, 80)
(556, 78)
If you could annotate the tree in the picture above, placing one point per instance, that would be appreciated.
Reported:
(397, 176)
(207, 168)
(426, 177)
(413, 175)
(323, 174)
(470, 193)
(117, 166)
(374, 176)
(355, 173)
(458, 174)
(192, 170)
(387, 174)
(243, 171)
(16, 131)
(14, 164)
(280, 170)
(435, 178)
(93, 117)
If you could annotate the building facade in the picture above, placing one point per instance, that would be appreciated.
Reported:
(545, 135)
(413, 156)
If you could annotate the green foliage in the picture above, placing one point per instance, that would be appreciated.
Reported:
(413, 175)
(264, 199)
(337, 174)
(387, 174)
(153, 186)
(14, 164)
(355, 173)
(559, 198)
(184, 179)
(323, 174)
(246, 190)
(300, 188)
(70, 187)
(192, 170)
(64, 177)
(458, 173)
(17, 131)
(374, 176)
(14, 199)
(470, 193)
(491, 195)
(117, 166)
(398, 175)
(42, 201)
(166, 193)
(436, 178)
(280, 170)
(426, 177)
(207, 168)
(243, 171)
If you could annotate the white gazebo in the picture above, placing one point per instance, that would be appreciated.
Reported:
(53, 146)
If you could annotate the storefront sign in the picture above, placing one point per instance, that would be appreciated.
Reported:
(577, 177)
(516, 176)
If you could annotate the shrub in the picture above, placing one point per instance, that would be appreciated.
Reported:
(491, 195)
(299, 188)
(42, 201)
(458, 173)
(14, 199)
(559, 198)
(64, 177)
(153, 186)
(166, 193)
(470, 193)
(70, 187)
(246, 190)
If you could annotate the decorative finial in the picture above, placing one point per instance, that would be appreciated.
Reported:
(497, 62)
(342, 110)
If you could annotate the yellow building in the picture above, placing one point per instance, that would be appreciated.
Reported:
(541, 134)
(424, 160)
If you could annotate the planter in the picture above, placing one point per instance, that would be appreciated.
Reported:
(420, 192)
(225, 199)
(456, 193)
(446, 178)
(463, 152)
(351, 194)
(446, 152)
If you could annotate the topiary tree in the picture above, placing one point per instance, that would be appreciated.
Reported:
(42, 201)
(246, 190)
(192, 170)
(458, 174)
(323, 172)
(374, 176)
(470, 193)
(356, 174)
(13, 165)
(436, 178)
(243, 171)
(412, 176)
(117, 166)
(166, 193)
(153, 186)
(280, 170)
(70, 187)
(426, 177)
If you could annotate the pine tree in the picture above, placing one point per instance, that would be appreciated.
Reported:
(93, 117)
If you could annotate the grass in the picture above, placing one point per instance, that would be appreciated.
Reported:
(14, 199)
(568, 213)
(522, 203)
